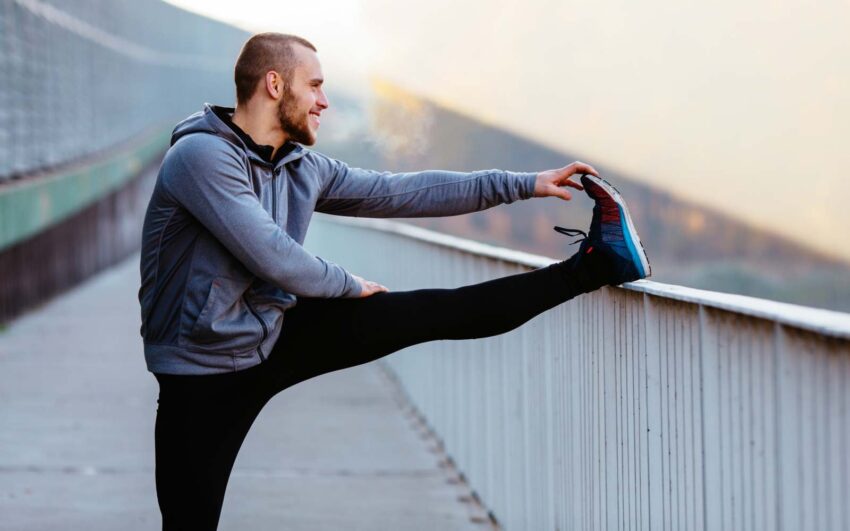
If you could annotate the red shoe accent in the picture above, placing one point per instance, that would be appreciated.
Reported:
(610, 216)
(589, 249)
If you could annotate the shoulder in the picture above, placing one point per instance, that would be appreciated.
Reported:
(193, 159)
(322, 167)
(316, 159)
(197, 147)
(325, 167)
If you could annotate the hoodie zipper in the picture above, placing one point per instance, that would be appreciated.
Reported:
(263, 324)
(274, 195)
(248, 304)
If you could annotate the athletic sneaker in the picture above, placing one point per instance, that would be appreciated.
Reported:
(612, 238)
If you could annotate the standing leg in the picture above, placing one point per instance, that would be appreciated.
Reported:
(201, 422)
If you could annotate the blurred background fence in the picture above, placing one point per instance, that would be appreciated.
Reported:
(90, 91)
(82, 76)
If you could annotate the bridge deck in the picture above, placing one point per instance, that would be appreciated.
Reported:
(76, 433)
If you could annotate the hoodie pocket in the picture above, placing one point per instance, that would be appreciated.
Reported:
(225, 324)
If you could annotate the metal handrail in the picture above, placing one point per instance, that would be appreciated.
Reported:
(827, 322)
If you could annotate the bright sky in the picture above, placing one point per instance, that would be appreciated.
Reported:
(741, 106)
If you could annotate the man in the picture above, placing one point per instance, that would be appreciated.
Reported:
(235, 310)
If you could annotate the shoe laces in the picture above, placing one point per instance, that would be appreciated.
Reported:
(571, 232)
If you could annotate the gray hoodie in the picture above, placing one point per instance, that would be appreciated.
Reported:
(222, 256)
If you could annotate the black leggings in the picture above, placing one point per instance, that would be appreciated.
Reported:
(202, 420)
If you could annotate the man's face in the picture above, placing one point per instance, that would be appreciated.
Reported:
(305, 100)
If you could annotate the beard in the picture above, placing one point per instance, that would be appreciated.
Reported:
(297, 128)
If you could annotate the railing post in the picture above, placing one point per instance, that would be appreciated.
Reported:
(654, 420)
(712, 503)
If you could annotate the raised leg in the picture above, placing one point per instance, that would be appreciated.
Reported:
(324, 335)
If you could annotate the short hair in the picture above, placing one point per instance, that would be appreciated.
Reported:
(261, 53)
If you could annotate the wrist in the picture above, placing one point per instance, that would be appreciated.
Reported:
(521, 184)
(538, 186)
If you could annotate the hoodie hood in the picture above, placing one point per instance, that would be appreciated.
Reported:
(206, 121)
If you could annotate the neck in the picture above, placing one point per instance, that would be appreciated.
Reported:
(262, 127)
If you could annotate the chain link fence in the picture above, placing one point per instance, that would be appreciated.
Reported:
(89, 91)
(80, 76)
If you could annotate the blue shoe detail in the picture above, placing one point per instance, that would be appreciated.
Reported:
(636, 260)
(612, 233)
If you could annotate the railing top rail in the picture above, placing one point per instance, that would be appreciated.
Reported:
(826, 322)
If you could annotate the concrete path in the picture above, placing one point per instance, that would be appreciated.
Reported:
(77, 410)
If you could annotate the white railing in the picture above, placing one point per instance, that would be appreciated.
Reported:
(645, 407)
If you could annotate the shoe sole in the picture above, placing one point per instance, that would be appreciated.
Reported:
(633, 242)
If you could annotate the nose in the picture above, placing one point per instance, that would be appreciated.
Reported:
(323, 100)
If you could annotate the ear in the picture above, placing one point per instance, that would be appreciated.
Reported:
(274, 84)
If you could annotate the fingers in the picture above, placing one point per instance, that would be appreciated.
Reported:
(576, 167)
(370, 288)
(579, 167)
(377, 287)
(570, 182)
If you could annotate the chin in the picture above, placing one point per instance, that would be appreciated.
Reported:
(310, 137)
(310, 141)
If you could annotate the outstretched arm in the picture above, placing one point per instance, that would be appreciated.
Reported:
(357, 192)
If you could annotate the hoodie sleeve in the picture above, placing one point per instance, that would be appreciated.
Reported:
(356, 192)
(211, 182)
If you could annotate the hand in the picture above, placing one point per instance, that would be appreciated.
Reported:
(369, 287)
(549, 182)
